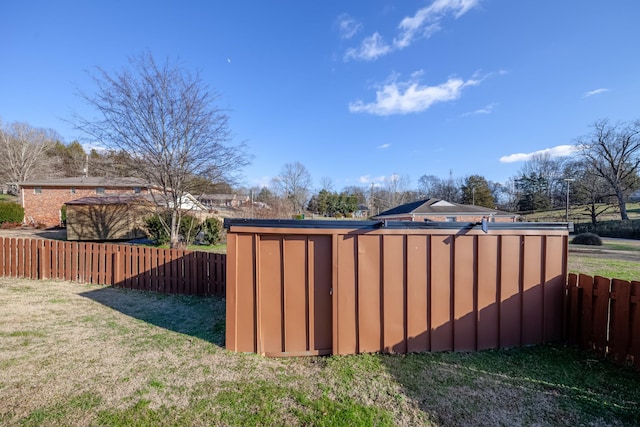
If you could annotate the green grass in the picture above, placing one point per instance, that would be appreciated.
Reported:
(615, 269)
(113, 357)
(8, 198)
(621, 246)
(579, 214)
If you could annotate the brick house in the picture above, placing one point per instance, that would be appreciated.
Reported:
(43, 199)
(443, 211)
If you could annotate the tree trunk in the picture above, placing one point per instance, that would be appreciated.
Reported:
(622, 203)
(174, 236)
(594, 215)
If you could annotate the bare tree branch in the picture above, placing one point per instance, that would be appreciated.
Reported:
(165, 119)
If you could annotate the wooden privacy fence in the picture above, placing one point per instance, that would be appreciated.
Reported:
(604, 315)
(126, 266)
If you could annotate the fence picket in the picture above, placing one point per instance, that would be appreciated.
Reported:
(133, 267)
(619, 329)
(634, 323)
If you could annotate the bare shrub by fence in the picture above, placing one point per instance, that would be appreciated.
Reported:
(604, 315)
(126, 266)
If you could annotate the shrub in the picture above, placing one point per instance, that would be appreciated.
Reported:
(11, 212)
(63, 215)
(616, 228)
(212, 230)
(156, 230)
(587, 239)
(189, 228)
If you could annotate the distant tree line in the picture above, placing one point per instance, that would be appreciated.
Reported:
(601, 176)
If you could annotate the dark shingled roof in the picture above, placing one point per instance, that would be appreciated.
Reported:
(434, 206)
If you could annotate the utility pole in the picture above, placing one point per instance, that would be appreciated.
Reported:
(567, 180)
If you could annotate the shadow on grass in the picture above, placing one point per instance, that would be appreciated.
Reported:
(547, 384)
(200, 317)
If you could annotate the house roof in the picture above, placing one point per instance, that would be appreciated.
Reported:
(93, 181)
(434, 206)
(114, 199)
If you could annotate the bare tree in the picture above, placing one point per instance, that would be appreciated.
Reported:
(395, 190)
(294, 184)
(164, 117)
(613, 152)
(24, 152)
(430, 186)
(326, 183)
(548, 169)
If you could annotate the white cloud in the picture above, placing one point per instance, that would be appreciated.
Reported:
(487, 109)
(348, 26)
(368, 179)
(383, 146)
(595, 92)
(263, 181)
(425, 22)
(558, 151)
(370, 49)
(410, 97)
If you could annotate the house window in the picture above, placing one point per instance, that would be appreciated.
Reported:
(73, 190)
(136, 190)
(99, 190)
(37, 190)
(451, 219)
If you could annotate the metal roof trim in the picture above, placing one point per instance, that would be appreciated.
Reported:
(372, 225)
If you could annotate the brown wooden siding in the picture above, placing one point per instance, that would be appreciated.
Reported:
(389, 290)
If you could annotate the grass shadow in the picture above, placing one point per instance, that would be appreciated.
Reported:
(568, 385)
(196, 316)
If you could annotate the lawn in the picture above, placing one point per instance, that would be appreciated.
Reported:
(87, 355)
(616, 258)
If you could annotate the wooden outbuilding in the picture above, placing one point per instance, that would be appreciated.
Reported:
(114, 217)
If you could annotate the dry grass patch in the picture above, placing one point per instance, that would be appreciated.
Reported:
(85, 355)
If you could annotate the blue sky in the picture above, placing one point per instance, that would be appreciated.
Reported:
(355, 91)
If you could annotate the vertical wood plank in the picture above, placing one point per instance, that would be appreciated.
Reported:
(271, 298)
(488, 319)
(601, 313)
(532, 295)
(369, 294)
(465, 265)
(394, 286)
(554, 288)
(345, 295)
(244, 296)
(20, 258)
(634, 324)
(295, 298)
(231, 305)
(573, 314)
(586, 283)
(510, 296)
(417, 294)
(441, 292)
(620, 327)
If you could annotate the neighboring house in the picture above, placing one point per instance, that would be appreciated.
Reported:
(110, 217)
(213, 201)
(189, 205)
(43, 199)
(443, 211)
(362, 212)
